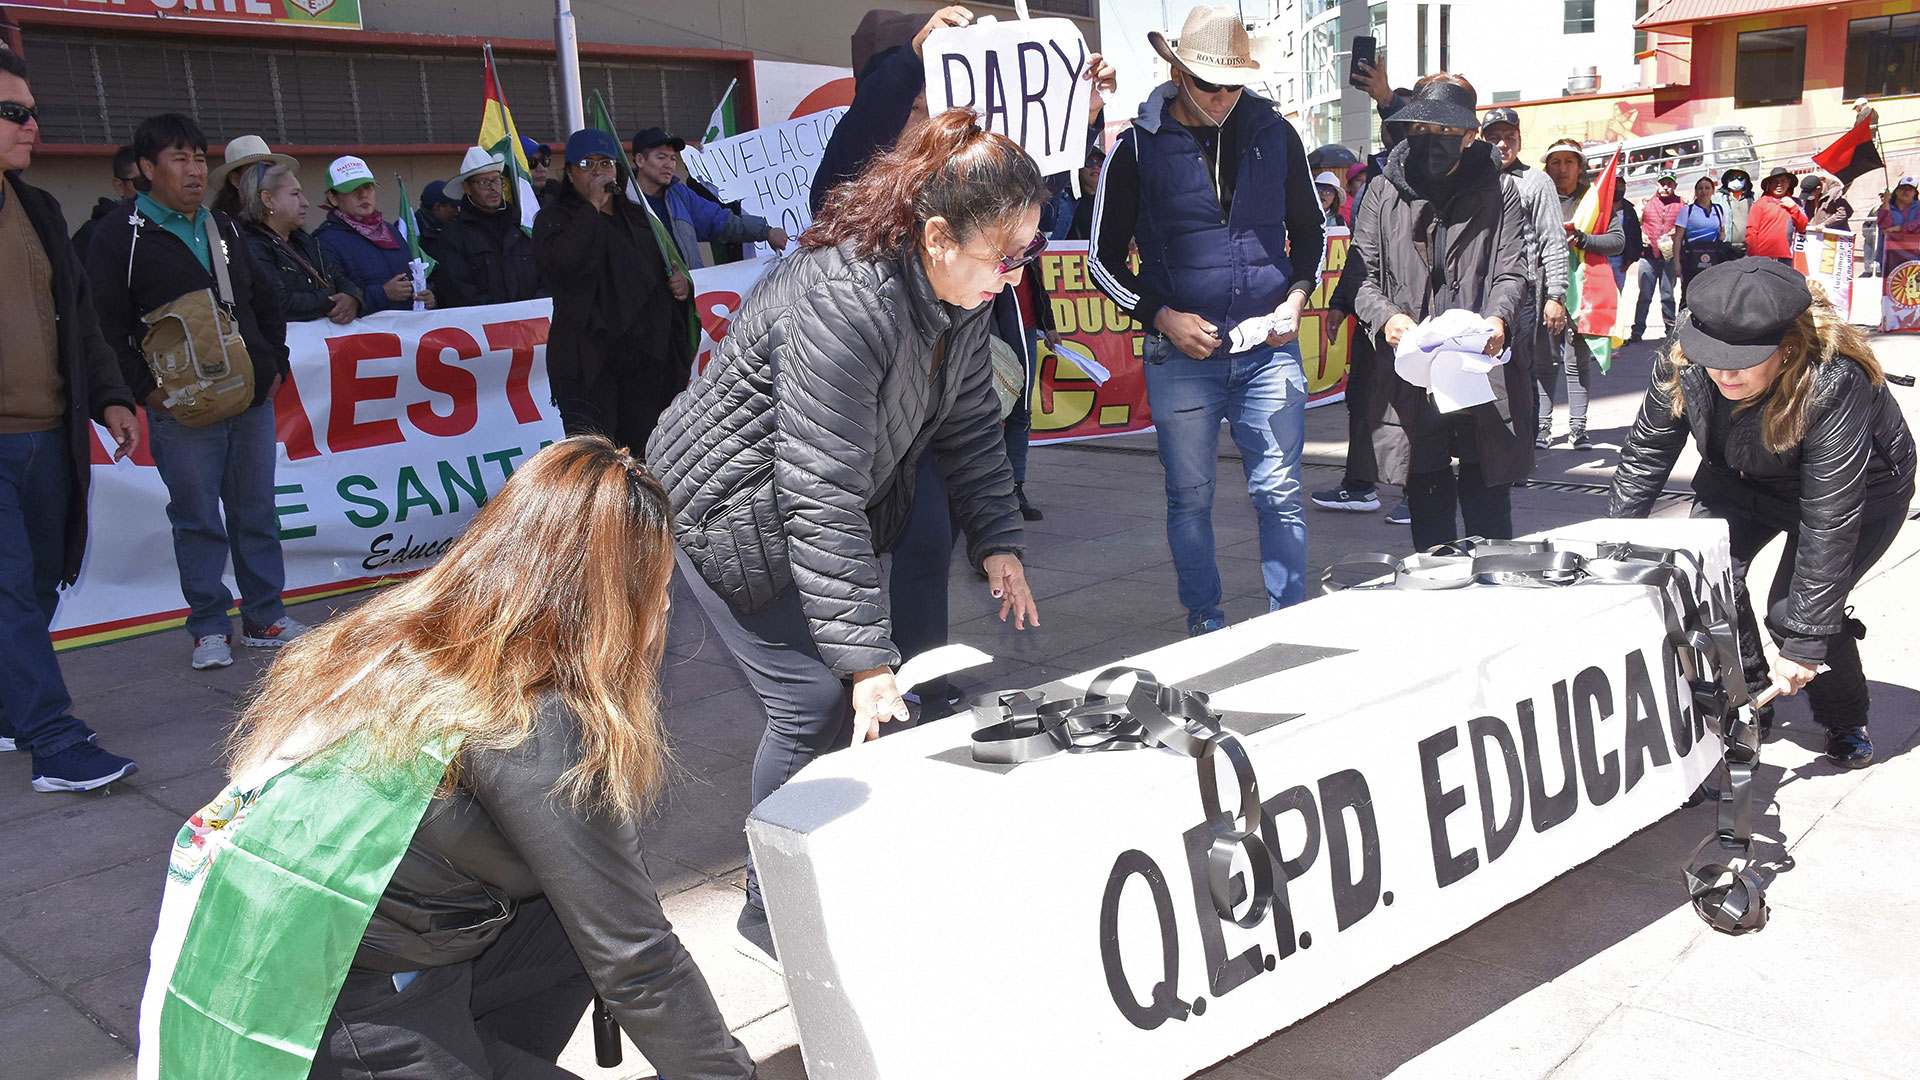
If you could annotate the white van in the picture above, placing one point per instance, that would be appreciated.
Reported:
(1688, 153)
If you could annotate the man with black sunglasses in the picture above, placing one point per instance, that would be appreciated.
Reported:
(1211, 183)
(56, 374)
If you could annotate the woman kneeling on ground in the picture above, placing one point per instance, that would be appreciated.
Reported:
(511, 693)
(1798, 435)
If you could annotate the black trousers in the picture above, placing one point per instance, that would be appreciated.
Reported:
(623, 405)
(1433, 490)
(1363, 468)
(505, 1015)
(1837, 696)
(809, 708)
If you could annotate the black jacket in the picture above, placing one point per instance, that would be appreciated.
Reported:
(790, 460)
(502, 837)
(882, 103)
(1481, 266)
(84, 234)
(485, 258)
(1855, 462)
(611, 304)
(303, 297)
(87, 364)
(131, 279)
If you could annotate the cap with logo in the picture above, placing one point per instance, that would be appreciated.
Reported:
(1738, 312)
(1501, 115)
(348, 173)
(648, 138)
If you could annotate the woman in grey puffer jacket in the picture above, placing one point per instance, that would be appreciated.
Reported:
(790, 460)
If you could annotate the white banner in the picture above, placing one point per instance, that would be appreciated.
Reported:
(770, 169)
(393, 430)
(1025, 80)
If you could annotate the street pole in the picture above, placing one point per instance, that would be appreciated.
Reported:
(566, 46)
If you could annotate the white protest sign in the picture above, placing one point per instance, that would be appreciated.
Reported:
(770, 169)
(1025, 80)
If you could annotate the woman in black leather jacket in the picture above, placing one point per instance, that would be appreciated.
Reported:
(1798, 435)
(523, 889)
(271, 210)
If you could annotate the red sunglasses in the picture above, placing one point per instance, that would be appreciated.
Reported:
(1010, 263)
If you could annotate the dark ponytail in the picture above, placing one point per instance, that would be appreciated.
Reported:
(946, 167)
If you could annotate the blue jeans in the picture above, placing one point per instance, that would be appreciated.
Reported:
(1262, 394)
(34, 706)
(227, 466)
(1654, 269)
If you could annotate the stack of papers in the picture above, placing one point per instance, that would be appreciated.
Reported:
(1446, 355)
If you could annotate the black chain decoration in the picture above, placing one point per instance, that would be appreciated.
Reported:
(1727, 893)
(1022, 726)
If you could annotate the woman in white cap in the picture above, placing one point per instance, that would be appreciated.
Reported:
(1331, 199)
(1797, 435)
(369, 250)
(1899, 213)
(223, 183)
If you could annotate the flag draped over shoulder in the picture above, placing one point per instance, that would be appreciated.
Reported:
(499, 136)
(269, 890)
(1593, 299)
(598, 117)
(1852, 155)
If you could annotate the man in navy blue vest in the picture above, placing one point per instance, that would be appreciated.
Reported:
(1211, 184)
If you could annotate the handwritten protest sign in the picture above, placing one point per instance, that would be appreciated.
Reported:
(770, 170)
(1025, 80)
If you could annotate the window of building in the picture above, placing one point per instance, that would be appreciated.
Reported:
(1500, 96)
(1579, 17)
(1770, 67)
(1883, 56)
(1082, 8)
(1420, 41)
(1446, 35)
(1639, 36)
(1322, 67)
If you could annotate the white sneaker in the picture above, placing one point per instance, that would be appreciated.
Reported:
(281, 632)
(7, 745)
(211, 651)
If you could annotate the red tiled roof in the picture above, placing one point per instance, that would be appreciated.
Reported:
(1677, 13)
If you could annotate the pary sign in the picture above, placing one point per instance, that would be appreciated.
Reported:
(1025, 80)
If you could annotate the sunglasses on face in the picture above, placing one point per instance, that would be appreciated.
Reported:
(14, 112)
(1206, 87)
(1009, 263)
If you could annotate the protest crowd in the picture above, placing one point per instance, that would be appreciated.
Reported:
(809, 485)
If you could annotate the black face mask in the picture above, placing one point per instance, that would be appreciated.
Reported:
(1433, 154)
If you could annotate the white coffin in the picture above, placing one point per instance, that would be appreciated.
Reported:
(939, 918)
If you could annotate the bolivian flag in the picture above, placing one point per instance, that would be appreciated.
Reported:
(499, 136)
(1592, 296)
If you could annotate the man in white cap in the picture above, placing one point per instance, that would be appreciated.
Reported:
(1212, 183)
(485, 256)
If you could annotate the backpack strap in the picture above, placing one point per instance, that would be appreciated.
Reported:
(217, 255)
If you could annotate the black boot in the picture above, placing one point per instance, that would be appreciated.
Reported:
(1027, 509)
(1849, 748)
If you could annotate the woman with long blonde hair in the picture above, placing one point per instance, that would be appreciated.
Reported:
(522, 673)
(1797, 435)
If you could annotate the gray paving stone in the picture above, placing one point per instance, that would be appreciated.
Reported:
(730, 721)
(115, 999)
(702, 824)
(46, 1037)
(17, 984)
(86, 926)
(1642, 1043)
(685, 680)
(78, 835)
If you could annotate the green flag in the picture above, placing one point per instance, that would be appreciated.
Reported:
(269, 890)
(724, 122)
(598, 117)
(408, 222)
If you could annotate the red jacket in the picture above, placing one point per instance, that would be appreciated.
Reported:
(1771, 225)
(1657, 216)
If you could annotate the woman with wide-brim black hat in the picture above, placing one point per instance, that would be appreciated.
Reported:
(1797, 435)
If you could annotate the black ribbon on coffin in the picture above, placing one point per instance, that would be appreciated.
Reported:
(1699, 615)
(1022, 726)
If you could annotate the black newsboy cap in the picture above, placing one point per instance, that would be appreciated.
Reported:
(1737, 312)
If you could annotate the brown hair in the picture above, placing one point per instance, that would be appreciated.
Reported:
(946, 167)
(1821, 335)
(558, 585)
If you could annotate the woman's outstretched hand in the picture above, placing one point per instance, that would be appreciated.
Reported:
(1008, 580)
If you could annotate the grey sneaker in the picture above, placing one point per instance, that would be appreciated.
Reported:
(1358, 500)
(282, 631)
(1400, 515)
(1580, 440)
(756, 938)
(214, 650)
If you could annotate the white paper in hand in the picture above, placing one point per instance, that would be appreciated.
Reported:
(1446, 355)
(418, 269)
